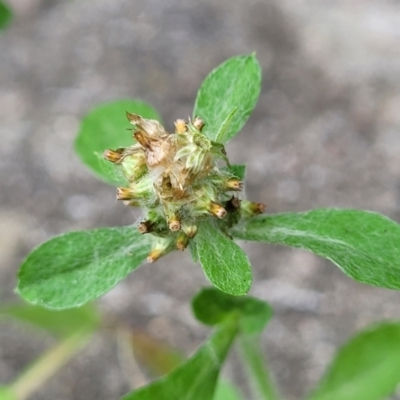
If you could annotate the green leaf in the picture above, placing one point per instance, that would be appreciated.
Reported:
(7, 394)
(227, 97)
(225, 264)
(227, 391)
(72, 269)
(5, 15)
(59, 323)
(193, 251)
(108, 171)
(366, 368)
(363, 244)
(212, 307)
(223, 132)
(106, 127)
(239, 170)
(196, 378)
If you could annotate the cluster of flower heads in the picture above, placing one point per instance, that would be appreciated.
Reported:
(179, 179)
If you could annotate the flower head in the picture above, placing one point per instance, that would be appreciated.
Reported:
(178, 179)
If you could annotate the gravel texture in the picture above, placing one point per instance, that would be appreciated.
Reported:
(325, 133)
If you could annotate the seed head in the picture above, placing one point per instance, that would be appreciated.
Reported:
(179, 180)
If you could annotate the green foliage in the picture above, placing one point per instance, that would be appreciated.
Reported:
(227, 97)
(106, 127)
(196, 378)
(365, 368)
(59, 323)
(212, 307)
(7, 394)
(75, 268)
(5, 15)
(222, 135)
(225, 264)
(239, 170)
(363, 244)
(226, 391)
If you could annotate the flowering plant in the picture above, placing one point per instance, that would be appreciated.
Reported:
(190, 194)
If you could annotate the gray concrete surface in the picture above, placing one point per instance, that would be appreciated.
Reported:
(325, 133)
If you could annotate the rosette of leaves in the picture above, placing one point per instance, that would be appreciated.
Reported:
(183, 181)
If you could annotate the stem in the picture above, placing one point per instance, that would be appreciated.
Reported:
(48, 364)
(257, 368)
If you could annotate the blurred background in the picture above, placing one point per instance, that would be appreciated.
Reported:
(325, 133)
